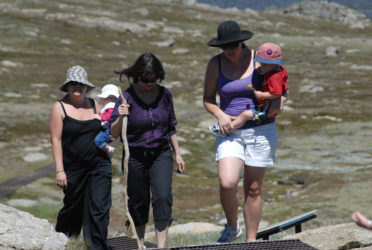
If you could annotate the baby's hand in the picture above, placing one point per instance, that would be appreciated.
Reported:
(258, 94)
(97, 116)
(259, 70)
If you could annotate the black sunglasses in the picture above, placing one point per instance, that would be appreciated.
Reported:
(148, 80)
(233, 45)
(76, 84)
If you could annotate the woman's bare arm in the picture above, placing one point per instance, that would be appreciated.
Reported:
(177, 153)
(55, 127)
(209, 97)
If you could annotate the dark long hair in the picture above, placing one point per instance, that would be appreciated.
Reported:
(146, 64)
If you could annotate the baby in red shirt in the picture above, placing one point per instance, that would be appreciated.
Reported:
(275, 75)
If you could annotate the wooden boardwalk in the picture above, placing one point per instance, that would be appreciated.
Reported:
(11, 185)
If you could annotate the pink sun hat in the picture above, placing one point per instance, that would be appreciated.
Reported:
(269, 53)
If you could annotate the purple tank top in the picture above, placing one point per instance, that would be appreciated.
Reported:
(236, 96)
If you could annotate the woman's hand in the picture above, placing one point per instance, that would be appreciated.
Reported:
(123, 109)
(225, 123)
(276, 106)
(180, 164)
(61, 179)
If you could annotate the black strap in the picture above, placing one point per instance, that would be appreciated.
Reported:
(219, 62)
(254, 62)
(64, 111)
(93, 103)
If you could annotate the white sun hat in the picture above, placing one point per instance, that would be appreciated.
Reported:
(77, 74)
(107, 90)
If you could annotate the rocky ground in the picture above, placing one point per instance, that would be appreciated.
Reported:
(324, 156)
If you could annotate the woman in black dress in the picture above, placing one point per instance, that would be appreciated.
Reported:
(82, 170)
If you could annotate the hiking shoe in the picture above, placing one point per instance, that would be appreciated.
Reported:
(259, 116)
(230, 234)
(215, 129)
(110, 152)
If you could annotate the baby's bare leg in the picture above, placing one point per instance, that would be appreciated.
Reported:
(245, 116)
(275, 106)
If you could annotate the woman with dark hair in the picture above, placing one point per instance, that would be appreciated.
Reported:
(252, 147)
(151, 132)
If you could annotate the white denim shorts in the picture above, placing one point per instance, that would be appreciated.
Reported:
(255, 146)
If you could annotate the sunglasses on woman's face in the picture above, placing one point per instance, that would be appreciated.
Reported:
(148, 80)
(76, 84)
(233, 45)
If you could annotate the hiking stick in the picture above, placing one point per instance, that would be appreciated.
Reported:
(125, 172)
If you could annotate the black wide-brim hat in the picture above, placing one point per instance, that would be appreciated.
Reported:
(229, 32)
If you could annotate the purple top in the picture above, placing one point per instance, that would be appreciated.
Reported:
(149, 126)
(236, 96)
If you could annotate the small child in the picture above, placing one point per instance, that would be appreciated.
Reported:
(269, 55)
(275, 75)
(109, 95)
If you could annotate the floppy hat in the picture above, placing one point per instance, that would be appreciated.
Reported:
(229, 32)
(107, 90)
(77, 74)
(269, 53)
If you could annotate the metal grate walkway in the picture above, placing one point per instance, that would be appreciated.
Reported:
(124, 243)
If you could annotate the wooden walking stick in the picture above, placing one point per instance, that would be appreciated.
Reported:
(125, 172)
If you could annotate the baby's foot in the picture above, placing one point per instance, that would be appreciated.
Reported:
(110, 151)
